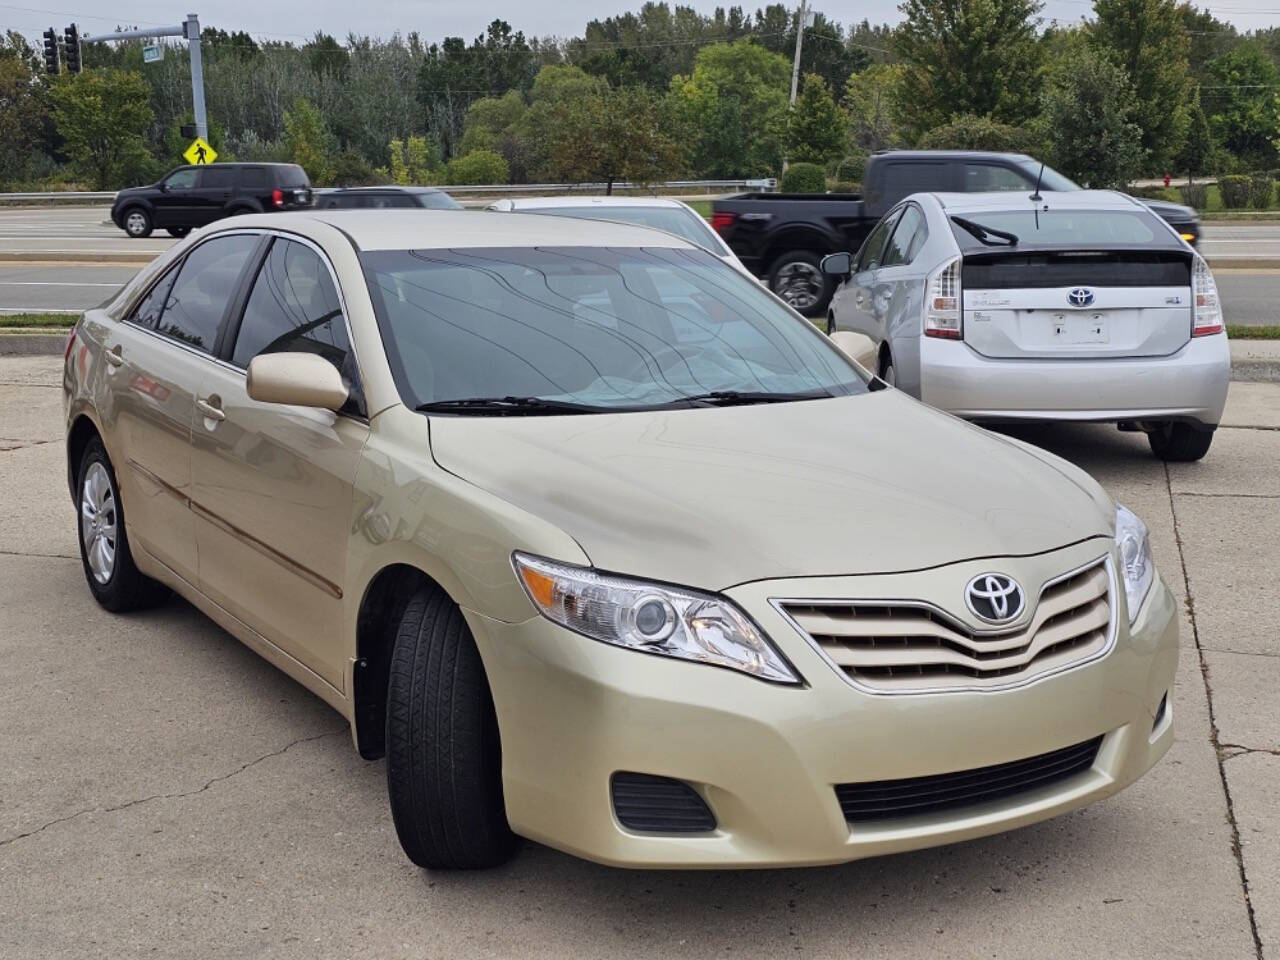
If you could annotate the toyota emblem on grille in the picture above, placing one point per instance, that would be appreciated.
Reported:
(994, 597)
(1080, 297)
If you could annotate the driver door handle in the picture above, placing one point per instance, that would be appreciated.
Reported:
(211, 410)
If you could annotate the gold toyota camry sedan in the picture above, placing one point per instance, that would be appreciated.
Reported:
(601, 545)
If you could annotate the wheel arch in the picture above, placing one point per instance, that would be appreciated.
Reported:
(793, 238)
(82, 432)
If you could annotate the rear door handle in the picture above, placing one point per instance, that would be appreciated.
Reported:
(114, 356)
(211, 409)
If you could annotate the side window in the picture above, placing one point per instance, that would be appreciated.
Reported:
(293, 307)
(147, 312)
(204, 285)
(903, 179)
(903, 244)
(389, 200)
(869, 256)
(217, 178)
(253, 177)
(181, 179)
(983, 177)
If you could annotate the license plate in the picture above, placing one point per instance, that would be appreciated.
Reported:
(1080, 328)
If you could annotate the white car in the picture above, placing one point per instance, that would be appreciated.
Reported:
(660, 213)
(1071, 306)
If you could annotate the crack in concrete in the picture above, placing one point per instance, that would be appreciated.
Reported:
(21, 383)
(1240, 750)
(21, 444)
(173, 796)
(1214, 737)
(42, 556)
(1244, 426)
(1228, 496)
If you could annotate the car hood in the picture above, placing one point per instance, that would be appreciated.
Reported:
(715, 497)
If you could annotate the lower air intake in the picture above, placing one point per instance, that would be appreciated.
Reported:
(894, 799)
(659, 805)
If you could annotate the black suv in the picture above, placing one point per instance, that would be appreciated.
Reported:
(193, 196)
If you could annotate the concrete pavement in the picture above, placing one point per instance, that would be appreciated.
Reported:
(167, 792)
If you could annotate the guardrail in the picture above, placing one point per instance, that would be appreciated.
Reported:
(683, 186)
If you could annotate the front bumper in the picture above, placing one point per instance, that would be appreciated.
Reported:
(1188, 385)
(766, 758)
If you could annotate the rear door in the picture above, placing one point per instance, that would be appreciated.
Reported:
(1084, 304)
(213, 192)
(273, 484)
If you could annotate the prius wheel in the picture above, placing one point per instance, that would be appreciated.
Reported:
(137, 223)
(797, 278)
(116, 583)
(178, 232)
(1179, 442)
(444, 758)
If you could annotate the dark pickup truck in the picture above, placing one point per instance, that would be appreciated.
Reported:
(784, 236)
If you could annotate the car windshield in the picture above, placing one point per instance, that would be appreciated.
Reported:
(1051, 179)
(1061, 228)
(600, 328)
(683, 223)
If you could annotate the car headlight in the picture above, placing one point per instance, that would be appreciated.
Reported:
(1135, 558)
(651, 617)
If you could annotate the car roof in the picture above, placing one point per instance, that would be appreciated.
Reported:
(432, 229)
(1021, 199)
(535, 203)
(943, 155)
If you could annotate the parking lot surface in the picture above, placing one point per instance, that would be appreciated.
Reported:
(168, 793)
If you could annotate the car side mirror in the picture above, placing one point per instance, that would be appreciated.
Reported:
(856, 347)
(837, 264)
(301, 379)
(164, 187)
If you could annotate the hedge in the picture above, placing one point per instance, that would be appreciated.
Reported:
(804, 178)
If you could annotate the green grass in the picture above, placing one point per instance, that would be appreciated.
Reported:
(702, 206)
(1240, 331)
(56, 321)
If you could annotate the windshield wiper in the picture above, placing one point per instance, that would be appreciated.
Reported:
(504, 406)
(735, 398)
(983, 234)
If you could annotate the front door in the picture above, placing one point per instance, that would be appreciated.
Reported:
(273, 484)
(212, 193)
(855, 309)
(175, 206)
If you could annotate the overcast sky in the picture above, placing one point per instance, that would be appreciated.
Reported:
(433, 19)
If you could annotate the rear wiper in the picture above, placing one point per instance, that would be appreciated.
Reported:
(733, 398)
(984, 233)
(504, 406)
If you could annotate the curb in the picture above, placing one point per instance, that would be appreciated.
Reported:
(127, 258)
(32, 344)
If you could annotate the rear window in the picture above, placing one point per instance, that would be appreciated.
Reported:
(1074, 229)
(1127, 268)
(291, 175)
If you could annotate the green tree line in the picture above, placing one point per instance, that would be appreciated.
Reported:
(1143, 87)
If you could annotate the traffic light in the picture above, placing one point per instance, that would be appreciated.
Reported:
(72, 36)
(50, 51)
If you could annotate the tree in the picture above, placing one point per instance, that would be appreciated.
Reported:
(968, 56)
(1087, 105)
(817, 129)
(1198, 151)
(415, 161)
(1244, 110)
(488, 119)
(872, 100)
(307, 139)
(102, 116)
(23, 111)
(624, 134)
(735, 102)
(326, 55)
(1147, 39)
(967, 132)
(479, 166)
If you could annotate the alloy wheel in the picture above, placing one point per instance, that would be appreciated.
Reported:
(799, 283)
(98, 522)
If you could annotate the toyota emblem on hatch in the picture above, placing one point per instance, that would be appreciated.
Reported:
(994, 597)
(1080, 297)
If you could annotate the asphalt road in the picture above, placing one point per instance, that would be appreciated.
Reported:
(1250, 295)
(166, 792)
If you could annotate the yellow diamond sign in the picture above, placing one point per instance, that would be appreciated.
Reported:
(200, 152)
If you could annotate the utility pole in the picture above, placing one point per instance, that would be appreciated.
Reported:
(190, 30)
(795, 67)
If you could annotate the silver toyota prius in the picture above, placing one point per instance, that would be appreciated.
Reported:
(1067, 306)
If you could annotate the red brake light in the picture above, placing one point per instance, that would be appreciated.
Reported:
(277, 197)
(720, 222)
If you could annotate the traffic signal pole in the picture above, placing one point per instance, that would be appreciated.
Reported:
(190, 30)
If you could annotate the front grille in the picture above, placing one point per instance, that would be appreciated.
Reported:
(659, 805)
(905, 647)
(894, 799)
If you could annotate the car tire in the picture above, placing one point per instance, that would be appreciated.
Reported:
(114, 579)
(178, 232)
(1179, 442)
(444, 757)
(136, 222)
(831, 324)
(797, 278)
(887, 371)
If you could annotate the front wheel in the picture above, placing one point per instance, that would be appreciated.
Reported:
(1179, 442)
(444, 758)
(137, 223)
(797, 278)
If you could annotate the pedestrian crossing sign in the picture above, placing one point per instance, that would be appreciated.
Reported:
(200, 152)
